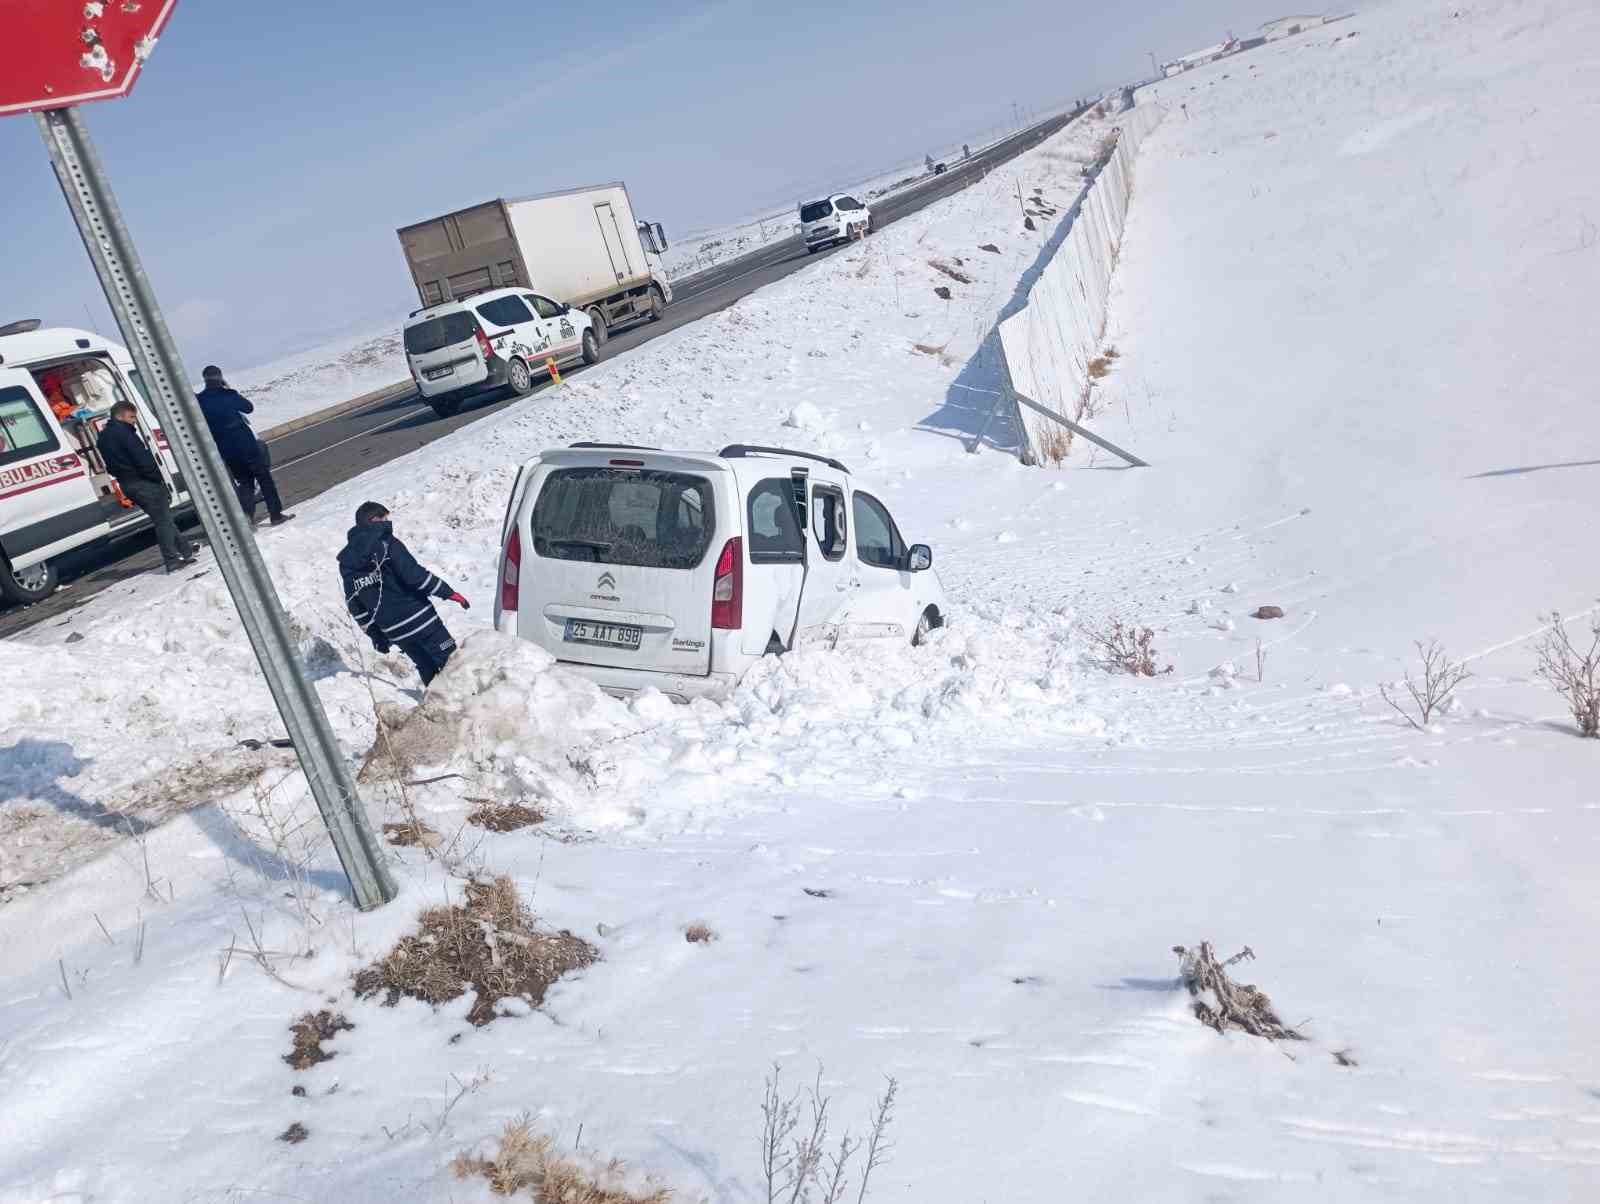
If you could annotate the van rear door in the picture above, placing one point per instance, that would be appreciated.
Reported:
(443, 352)
(619, 562)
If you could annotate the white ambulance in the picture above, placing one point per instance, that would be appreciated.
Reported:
(57, 387)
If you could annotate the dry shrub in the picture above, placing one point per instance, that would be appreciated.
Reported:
(525, 1161)
(1124, 648)
(699, 933)
(936, 350)
(295, 1133)
(1055, 443)
(945, 269)
(489, 943)
(1440, 677)
(1572, 674)
(309, 1032)
(504, 817)
(409, 833)
(1232, 1004)
(1099, 367)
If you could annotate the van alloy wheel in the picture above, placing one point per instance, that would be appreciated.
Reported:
(519, 377)
(29, 585)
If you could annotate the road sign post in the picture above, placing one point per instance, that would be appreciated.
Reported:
(55, 55)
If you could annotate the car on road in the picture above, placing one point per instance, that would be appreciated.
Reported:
(679, 570)
(834, 219)
(504, 338)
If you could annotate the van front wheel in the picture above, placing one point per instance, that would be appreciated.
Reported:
(930, 619)
(29, 585)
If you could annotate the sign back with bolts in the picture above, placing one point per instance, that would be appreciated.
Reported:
(55, 53)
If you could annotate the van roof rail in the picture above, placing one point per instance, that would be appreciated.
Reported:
(736, 450)
(588, 446)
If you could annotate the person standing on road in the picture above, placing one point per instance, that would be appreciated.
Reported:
(388, 593)
(129, 459)
(249, 463)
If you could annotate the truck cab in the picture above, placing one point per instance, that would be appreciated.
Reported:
(57, 387)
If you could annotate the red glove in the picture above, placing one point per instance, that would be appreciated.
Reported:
(460, 601)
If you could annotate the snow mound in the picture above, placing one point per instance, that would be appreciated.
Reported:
(806, 417)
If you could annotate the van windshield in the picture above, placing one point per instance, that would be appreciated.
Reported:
(815, 211)
(660, 520)
(440, 332)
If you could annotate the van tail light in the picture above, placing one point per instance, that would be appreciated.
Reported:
(483, 344)
(727, 593)
(511, 573)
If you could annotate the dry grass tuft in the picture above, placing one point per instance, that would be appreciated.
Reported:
(309, 1032)
(944, 269)
(699, 933)
(295, 1133)
(1099, 368)
(937, 351)
(1573, 672)
(1125, 648)
(490, 944)
(505, 817)
(525, 1161)
(1055, 444)
(1232, 1004)
(409, 833)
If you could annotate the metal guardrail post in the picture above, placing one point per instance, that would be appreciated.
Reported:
(138, 315)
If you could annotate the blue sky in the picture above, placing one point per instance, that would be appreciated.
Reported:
(269, 151)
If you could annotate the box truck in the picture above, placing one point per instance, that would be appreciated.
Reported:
(580, 246)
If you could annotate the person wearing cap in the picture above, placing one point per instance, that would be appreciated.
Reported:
(389, 594)
(249, 463)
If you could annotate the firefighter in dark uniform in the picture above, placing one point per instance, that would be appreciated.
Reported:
(388, 593)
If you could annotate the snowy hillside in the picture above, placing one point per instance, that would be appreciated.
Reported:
(1352, 325)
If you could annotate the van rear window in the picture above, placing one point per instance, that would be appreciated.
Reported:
(815, 211)
(437, 333)
(661, 520)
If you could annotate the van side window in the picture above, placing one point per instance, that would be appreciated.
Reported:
(774, 531)
(543, 306)
(878, 541)
(505, 311)
(23, 431)
(828, 522)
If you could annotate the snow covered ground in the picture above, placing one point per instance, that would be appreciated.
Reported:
(1351, 317)
(323, 376)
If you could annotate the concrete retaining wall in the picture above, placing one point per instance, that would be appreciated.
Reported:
(1049, 342)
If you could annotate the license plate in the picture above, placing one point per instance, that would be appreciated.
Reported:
(436, 373)
(612, 635)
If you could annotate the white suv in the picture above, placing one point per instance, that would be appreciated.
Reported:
(679, 570)
(502, 338)
(837, 218)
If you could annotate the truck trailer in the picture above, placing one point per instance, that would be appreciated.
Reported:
(580, 246)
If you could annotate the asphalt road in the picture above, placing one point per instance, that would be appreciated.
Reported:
(313, 459)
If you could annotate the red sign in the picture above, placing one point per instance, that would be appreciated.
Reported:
(55, 53)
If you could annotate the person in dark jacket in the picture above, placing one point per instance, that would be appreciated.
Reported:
(388, 593)
(128, 458)
(248, 460)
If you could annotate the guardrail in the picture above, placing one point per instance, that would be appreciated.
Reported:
(1050, 342)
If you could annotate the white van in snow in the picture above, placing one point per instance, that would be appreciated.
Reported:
(837, 218)
(57, 388)
(502, 338)
(638, 567)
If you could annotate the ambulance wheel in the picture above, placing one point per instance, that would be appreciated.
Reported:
(597, 323)
(519, 377)
(29, 585)
(591, 347)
